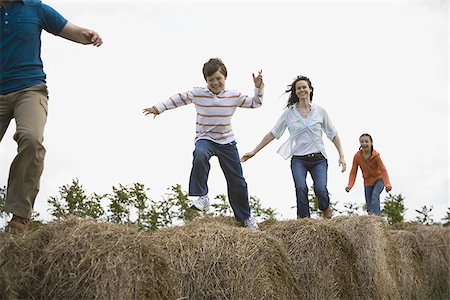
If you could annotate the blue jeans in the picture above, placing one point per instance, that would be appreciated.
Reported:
(318, 168)
(230, 163)
(372, 194)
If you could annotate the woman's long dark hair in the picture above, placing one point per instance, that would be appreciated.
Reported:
(293, 99)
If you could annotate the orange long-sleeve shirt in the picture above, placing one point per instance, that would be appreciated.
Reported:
(372, 170)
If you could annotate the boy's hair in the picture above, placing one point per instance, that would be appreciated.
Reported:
(212, 66)
(293, 99)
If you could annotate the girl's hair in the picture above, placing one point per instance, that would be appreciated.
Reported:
(212, 66)
(371, 140)
(293, 99)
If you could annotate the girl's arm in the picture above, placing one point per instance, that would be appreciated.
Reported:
(352, 175)
(337, 144)
(384, 175)
(266, 140)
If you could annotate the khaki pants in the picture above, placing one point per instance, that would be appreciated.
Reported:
(29, 109)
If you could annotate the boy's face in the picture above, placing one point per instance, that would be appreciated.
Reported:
(216, 82)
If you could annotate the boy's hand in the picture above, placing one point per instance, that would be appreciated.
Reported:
(258, 80)
(150, 110)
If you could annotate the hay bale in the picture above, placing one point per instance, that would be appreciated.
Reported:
(215, 259)
(324, 259)
(376, 253)
(6, 285)
(434, 241)
(79, 259)
(411, 275)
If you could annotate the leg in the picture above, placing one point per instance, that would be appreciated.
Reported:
(198, 181)
(30, 113)
(319, 174)
(375, 202)
(6, 113)
(299, 168)
(368, 190)
(237, 186)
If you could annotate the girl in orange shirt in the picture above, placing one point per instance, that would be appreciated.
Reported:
(374, 173)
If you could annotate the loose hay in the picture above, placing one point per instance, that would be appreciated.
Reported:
(376, 255)
(323, 257)
(85, 260)
(411, 276)
(215, 259)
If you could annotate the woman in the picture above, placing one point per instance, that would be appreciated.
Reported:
(305, 122)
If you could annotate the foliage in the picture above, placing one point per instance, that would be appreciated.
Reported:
(394, 208)
(131, 205)
(353, 209)
(125, 202)
(261, 213)
(182, 204)
(72, 200)
(446, 219)
(2, 200)
(425, 217)
(222, 208)
(3, 213)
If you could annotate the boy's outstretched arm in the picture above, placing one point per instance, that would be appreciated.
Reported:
(258, 80)
(266, 140)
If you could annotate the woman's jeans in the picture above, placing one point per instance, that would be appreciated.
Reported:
(230, 163)
(317, 166)
(372, 194)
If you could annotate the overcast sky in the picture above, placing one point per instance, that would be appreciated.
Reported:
(377, 67)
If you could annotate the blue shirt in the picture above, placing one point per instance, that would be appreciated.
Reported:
(21, 24)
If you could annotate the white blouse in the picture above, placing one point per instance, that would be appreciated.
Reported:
(305, 134)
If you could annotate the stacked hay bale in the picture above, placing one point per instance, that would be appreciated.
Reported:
(213, 258)
(411, 276)
(84, 260)
(434, 243)
(6, 286)
(376, 253)
(324, 259)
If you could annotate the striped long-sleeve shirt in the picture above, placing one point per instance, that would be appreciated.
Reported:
(214, 112)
